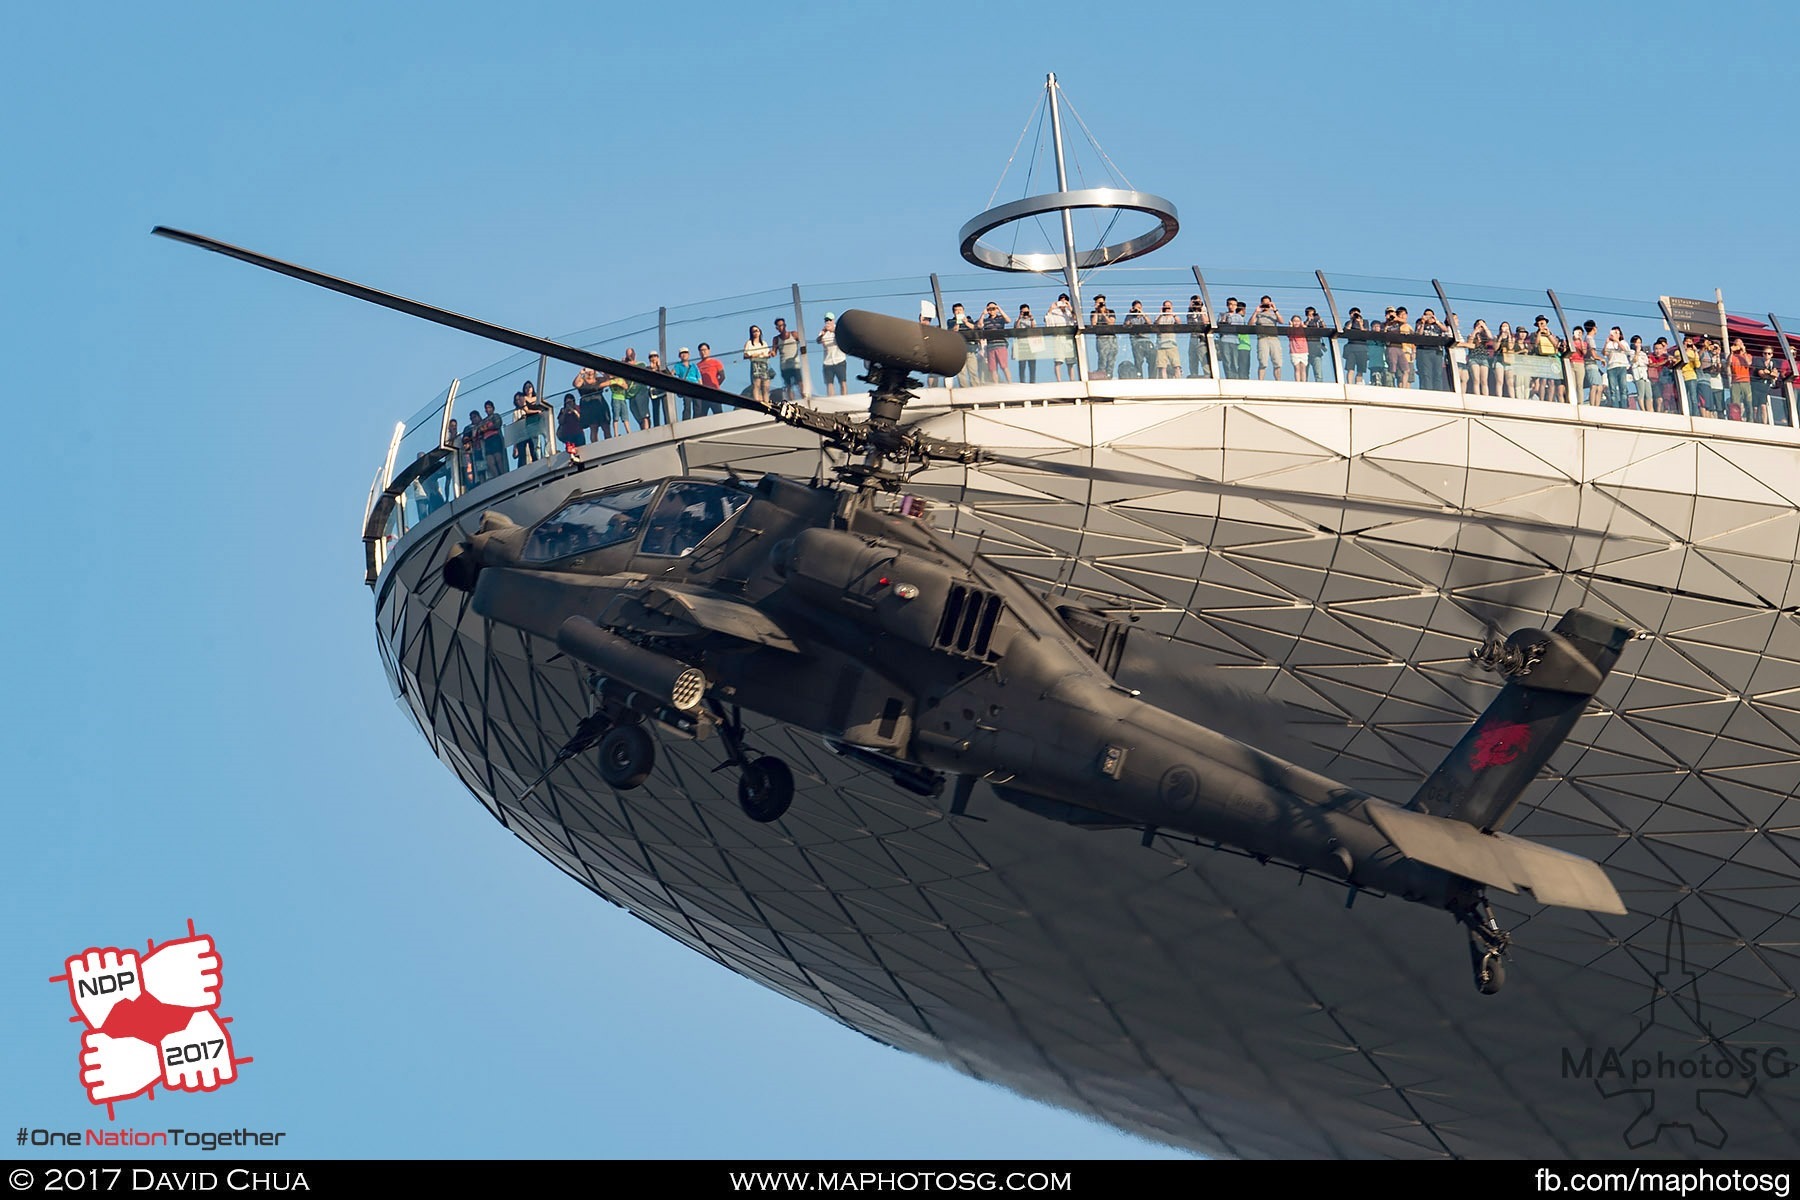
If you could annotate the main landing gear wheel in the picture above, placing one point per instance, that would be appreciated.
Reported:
(765, 790)
(626, 756)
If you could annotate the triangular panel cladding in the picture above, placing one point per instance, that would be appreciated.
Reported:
(1376, 429)
(1287, 429)
(1138, 982)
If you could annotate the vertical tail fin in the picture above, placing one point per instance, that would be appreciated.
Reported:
(1551, 678)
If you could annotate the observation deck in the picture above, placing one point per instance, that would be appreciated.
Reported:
(1332, 356)
(1178, 989)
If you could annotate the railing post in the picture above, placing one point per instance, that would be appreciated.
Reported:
(455, 459)
(937, 301)
(1562, 360)
(800, 328)
(543, 368)
(1081, 358)
(1450, 323)
(449, 412)
(1724, 351)
(1675, 334)
(1337, 327)
(387, 468)
(1787, 352)
(1212, 318)
(662, 350)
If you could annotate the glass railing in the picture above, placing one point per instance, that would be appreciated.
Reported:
(1470, 344)
(425, 430)
(1600, 354)
(1777, 374)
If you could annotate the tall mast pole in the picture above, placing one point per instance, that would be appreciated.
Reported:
(1070, 271)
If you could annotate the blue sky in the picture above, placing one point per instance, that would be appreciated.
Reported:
(195, 716)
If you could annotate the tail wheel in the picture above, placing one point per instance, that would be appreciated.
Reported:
(765, 790)
(626, 755)
(1489, 962)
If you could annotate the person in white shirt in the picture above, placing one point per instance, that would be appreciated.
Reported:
(836, 363)
(1640, 376)
(758, 354)
(1060, 346)
(1616, 357)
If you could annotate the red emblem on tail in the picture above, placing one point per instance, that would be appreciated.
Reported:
(1498, 745)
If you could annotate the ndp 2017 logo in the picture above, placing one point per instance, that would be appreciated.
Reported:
(150, 1019)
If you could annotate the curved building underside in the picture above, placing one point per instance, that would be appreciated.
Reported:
(1192, 994)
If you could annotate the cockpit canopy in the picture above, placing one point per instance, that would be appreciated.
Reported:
(671, 519)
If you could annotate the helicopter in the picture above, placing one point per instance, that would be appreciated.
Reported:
(836, 606)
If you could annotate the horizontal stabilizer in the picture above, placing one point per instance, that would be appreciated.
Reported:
(1498, 860)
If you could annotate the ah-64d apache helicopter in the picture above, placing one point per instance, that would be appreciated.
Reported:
(835, 606)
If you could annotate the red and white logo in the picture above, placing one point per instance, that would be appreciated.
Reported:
(149, 1019)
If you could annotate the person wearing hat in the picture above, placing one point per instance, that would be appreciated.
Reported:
(1316, 347)
(686, 368)
(1546, 346)
(837, 368)
(1195, 319)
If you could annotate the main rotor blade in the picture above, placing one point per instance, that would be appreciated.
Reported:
(791, 414)
(1250, 491)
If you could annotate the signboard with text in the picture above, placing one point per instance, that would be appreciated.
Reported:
(1695, 316)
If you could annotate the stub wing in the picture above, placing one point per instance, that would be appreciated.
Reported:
(1499, 860)
(540, 601)
(714, 614)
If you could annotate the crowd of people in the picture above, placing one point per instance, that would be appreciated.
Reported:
(1140, 345)
(1696, 375)
(481, 450)
(600, 406)
(1692, 374)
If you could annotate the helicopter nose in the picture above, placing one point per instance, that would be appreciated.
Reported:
(494, 541)
(462, 567)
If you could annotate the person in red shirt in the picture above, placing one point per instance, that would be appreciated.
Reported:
(712, 374)
(1665, 376)
(1575, 363)
(1738, 367)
